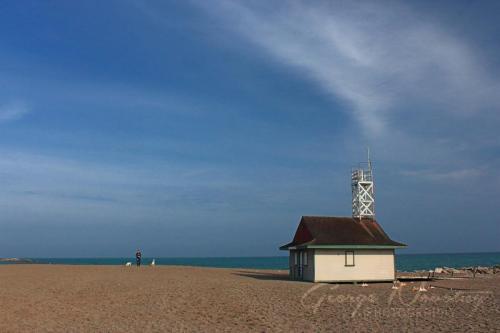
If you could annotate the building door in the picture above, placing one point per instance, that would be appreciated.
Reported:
(300, 266)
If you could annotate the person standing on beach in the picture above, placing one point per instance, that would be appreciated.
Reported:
(138, 256)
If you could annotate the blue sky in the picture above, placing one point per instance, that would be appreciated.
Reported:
(208, 128)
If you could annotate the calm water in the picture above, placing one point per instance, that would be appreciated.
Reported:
(404, 262)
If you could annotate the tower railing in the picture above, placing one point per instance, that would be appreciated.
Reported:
(363, 199)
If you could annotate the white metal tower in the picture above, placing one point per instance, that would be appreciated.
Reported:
(363, 198)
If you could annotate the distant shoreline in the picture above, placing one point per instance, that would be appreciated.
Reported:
(491, 269)
(16, 260)
(404, 262)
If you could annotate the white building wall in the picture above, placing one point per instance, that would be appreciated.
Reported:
(369, 265)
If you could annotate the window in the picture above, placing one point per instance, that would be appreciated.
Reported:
(349, 258)
(296, 259)
(304, 258)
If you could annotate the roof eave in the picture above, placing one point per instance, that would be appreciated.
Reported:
(293, 247)
(355, 246)
(360, 247)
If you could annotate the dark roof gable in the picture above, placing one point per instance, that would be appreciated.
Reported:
(324, 230)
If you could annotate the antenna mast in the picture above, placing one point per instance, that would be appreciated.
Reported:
(369, 161)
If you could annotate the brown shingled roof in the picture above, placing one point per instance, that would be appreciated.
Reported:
(340, 231)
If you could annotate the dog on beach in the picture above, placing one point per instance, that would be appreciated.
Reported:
(128, 264)
(152, 263)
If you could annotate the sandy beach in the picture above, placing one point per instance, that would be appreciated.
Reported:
(58, 298)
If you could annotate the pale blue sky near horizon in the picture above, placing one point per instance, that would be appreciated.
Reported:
(207, 128)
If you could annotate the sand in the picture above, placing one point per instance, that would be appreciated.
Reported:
(58, 298)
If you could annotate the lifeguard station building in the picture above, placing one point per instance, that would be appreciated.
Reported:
(344, 249)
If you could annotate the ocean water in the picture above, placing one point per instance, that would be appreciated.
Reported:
(404, 262)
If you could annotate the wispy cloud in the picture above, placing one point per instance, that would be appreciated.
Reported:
(48, 186)
(13, 111)
(449, 175)
(376, 57)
